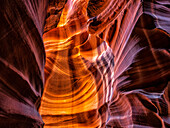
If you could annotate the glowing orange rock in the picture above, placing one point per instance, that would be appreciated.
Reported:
(107, 63)
(89, 84)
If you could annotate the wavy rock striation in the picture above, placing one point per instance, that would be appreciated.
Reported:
(22, 60)
(107, 63)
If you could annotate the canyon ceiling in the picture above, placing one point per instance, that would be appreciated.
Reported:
(84, 63)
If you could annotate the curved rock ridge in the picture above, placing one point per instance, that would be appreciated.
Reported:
(108, 65)
(22, 60)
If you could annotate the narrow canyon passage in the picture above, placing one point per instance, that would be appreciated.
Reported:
(103, 66)
(84, 63)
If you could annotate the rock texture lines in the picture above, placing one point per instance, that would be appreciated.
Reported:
(85, 63)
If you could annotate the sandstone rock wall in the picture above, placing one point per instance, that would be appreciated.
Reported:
(22, 60)
(107, 63)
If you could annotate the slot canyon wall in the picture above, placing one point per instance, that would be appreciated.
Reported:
(22, 60)
(84, 63)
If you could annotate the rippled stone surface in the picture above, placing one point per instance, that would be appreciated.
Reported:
(22, 60)
(107, 63)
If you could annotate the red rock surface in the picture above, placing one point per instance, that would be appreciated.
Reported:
(22, 60)
(107, 63)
